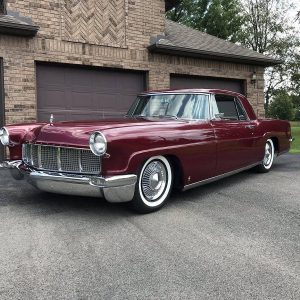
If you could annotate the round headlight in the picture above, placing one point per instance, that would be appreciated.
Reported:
(4, 136)
(98, 143)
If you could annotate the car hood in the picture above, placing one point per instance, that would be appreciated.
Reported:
(77, 133)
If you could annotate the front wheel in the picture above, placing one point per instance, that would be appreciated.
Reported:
(268, 159)
(154, 185)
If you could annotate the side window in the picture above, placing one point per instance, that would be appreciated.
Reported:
(226, 107)
(241, 112)
(197, 108)
(192, 107)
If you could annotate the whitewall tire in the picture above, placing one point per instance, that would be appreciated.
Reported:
(154, 185)
(268, 159)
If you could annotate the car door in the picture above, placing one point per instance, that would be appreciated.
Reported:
(198, 156)
(234, 132)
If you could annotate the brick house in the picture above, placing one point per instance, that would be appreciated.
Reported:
(89, 58)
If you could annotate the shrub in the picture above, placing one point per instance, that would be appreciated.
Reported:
(281, 107)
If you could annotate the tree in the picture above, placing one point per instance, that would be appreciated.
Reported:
(281, 107)
(221, 18)
(268, 29)
(295, 87)
(188, 10)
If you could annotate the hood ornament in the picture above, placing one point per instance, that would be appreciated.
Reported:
(51, 119)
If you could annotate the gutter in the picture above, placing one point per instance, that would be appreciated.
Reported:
(175, 50)
(18, 29)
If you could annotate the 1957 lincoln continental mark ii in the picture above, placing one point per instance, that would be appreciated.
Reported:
(168, 139)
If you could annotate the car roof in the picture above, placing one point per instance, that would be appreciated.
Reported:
(191, 91)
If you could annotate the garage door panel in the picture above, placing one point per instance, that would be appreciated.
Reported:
(126, 101)
(105, 101)
(81, 100)
(77, 78)
(190, 82)
(51, 98)
(72, 93)
(50, 76)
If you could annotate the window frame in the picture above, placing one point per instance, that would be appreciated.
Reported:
(236, 100)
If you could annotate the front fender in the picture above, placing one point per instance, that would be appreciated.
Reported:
(18, 134)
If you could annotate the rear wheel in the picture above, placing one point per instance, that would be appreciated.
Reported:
(154, 185)
(268, 159)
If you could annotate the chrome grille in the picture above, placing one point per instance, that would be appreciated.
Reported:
(61, 159)
(70, 159)
(49, 158)
(34, 156)
(89, 162)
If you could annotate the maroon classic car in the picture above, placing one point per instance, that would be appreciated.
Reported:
(168, 139)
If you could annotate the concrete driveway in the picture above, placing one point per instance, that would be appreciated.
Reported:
(238, 238)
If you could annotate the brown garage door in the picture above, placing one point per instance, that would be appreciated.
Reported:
(74, 93)
(189, 82)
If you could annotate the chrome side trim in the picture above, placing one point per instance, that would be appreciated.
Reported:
(215, 178)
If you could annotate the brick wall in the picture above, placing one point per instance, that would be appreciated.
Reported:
(114, 35)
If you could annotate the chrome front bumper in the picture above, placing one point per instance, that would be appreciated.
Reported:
(114, 189)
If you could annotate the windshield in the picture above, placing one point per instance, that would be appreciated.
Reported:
(185, 106)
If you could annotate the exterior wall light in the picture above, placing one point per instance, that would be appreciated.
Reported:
(253, 78)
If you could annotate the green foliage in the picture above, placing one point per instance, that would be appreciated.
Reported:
(297, 115)
(188, 10)
(269, 29)
(295, 146)
(221, 18)
(281, 106)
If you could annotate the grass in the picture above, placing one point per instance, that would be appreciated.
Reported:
(295, 146)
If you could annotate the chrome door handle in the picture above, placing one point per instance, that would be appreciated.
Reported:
(250, 126)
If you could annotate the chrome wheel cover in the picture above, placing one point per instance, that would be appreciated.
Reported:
(269, 153)
(154, 180)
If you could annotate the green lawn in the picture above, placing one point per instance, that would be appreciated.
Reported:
(295, 147)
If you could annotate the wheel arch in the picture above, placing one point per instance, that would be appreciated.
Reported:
(138, 159)
(178, 173)
(275, 141)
